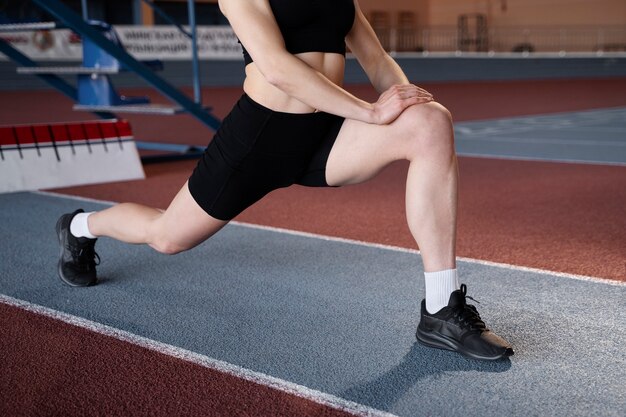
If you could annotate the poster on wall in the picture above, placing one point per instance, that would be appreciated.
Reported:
(143, 42)
(168, 43)
(58, 45)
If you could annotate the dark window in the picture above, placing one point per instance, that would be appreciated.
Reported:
(206, 13)
(26, 11)
(116, 12)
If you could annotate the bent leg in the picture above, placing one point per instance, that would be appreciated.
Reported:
(423, 135)
(182, 226)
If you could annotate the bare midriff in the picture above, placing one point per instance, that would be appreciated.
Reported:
(255, 85)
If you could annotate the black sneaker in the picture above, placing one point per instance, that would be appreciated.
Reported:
(458, 327)
(78, 258)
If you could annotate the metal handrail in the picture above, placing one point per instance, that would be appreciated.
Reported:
(83, 6)
(195, 61)
(166, 16)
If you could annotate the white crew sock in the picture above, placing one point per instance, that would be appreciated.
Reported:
(79, 227)
(439, 286)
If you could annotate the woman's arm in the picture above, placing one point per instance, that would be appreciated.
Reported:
(256, 27)
(380, 68)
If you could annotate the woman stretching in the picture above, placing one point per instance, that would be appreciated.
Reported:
(295, 124)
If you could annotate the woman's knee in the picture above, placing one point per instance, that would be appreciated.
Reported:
(168, 246)
(427, 128)
(166, 241)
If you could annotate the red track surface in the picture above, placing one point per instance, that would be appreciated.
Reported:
(467, 101)
(560, 217)
(50, 368)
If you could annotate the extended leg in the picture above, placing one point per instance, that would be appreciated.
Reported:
(182, 226)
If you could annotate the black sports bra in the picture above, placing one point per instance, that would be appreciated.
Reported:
(312, 25)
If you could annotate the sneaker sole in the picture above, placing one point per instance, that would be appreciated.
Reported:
(60, 263)
(441, 342)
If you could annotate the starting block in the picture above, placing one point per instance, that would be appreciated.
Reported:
(41, 156)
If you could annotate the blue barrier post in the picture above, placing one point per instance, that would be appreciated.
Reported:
(194, 52)
(83, 6)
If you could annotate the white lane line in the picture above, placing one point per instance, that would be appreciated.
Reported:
(569, 121)
(601, 115)
(539, 159)
(374, 245)
(201, 360)
(603, 129)
(541, 141)
(74, 197)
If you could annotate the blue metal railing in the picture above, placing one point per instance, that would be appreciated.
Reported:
(195, 62)
(194, 51)
(80, 26)
(165, 16)
(83, 6)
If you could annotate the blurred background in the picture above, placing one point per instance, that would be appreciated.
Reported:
(414, 25)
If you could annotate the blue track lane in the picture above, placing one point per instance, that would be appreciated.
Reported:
(593, 136)
(337, 317)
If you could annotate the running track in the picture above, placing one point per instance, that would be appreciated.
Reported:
(565, 218)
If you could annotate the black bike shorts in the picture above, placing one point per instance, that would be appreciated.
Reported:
(257, 150)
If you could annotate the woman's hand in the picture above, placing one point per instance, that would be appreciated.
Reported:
(396, 99)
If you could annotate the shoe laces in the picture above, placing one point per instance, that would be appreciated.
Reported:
(466, 314)
(85, 256)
